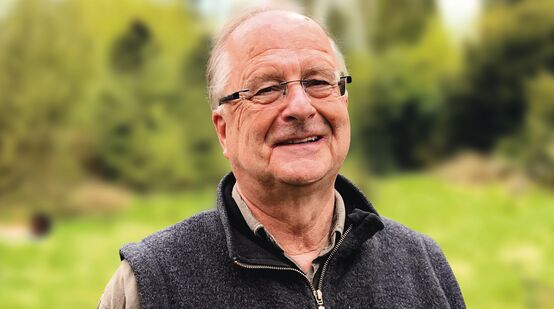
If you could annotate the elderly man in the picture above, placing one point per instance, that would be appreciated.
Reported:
(288, 231)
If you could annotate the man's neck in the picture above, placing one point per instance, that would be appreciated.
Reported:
(299, 222)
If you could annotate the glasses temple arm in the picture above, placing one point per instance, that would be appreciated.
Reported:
(231, 97)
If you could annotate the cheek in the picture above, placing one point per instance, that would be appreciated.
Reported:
(338, 118)
(339, 121)
(345, 130)
(249, 130)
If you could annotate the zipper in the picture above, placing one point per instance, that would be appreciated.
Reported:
(318, 297)
(317, 294)
(326, 263)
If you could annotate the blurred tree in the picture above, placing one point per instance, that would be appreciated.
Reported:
(492, 3)
(397, 90)
(105, 88)
(207, 157)
(399, 122)
(156, 131)
(489, 102)
(538, 142)
(337, 23)
(534, 145)
(45, 63)
(398, 21)
(131, 50)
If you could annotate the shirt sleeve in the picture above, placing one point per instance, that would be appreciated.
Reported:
(121, 292)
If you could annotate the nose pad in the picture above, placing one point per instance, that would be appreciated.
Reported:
(287, 85)
(298, 105)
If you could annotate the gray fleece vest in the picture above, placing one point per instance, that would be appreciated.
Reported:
(213, 260)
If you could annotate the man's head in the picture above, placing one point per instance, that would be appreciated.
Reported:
(303, 135)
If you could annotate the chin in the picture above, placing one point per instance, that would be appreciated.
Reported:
(301, 175)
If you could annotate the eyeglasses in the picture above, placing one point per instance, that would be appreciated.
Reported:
(266, 95)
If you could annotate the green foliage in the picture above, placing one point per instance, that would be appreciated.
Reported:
(424, 101)
(489, 101)
(404, 102)
(394, 26)
(44, 60)
(539, 129)
(337, 22)
(103, 88)
(533, 147)
(155, 131)
(116, 89)
(147, 110)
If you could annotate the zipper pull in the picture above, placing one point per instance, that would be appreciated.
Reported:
(319, 298)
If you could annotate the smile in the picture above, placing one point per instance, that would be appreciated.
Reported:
(310, 139)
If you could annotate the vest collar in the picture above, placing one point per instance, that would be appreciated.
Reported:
(245, 247)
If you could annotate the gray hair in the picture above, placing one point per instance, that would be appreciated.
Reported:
(219, 67)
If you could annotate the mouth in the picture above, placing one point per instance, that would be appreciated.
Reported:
(306, 140)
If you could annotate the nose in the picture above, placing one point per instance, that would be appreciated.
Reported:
(298, 104)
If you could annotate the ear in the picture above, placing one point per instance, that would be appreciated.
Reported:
(221, 130)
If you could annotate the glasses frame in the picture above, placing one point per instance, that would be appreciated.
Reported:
(236, 95)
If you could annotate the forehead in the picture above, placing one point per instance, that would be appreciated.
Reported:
(278, 39)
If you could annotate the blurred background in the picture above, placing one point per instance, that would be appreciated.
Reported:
(105, 134)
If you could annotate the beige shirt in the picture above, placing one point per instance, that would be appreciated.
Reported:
(122, 293)
(260, 231)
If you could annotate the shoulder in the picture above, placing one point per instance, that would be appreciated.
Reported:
(400, 242)
(412, 247)
(196, 232)
(182, 245)
(197, 225)
(423, 255)
(415, 241)
(396, 232)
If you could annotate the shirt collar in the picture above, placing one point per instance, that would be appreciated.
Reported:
(260, 231)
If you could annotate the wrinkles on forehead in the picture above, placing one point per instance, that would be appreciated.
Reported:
(258, 39)
(277, 42)
(259, 71)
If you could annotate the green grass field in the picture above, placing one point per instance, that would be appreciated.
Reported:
(500, 246)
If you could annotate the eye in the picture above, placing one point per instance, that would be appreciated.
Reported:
(271, 90)
(315, 83)
(318, 88)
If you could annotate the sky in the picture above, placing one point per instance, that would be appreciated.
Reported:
(459, 15)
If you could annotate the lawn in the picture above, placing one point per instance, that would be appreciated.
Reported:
(499, 244)
(70, 268)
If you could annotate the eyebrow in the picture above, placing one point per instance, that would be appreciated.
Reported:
(260, 78)
(319, 70)
(263, 77)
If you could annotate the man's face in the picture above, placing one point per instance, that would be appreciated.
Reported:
(280, 46)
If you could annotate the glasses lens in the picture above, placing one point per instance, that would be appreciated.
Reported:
(342, 86)
(267, 95)
(315, 88)
(318, 89)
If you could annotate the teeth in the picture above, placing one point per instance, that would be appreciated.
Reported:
(304, 140)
